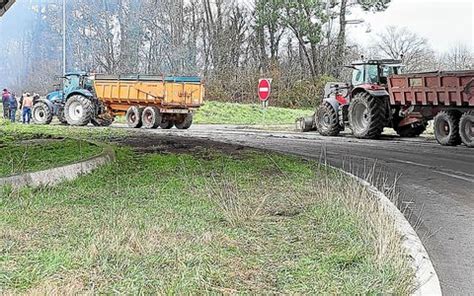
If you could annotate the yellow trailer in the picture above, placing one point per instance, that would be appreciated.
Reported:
(151, 101)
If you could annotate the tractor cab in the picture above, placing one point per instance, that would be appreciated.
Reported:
(77, 80)
(71, 82)
(374, 72)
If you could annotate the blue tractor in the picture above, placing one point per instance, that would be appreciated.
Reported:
(74, 103)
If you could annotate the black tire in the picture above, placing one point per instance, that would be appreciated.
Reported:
(151, 117)
(41, 114)
(446, 128)
(134, 117)
(166, 122)
(327, 120)
(411, 131)
(78, 110)
(466, 128)
(184, 121)
(367, 115)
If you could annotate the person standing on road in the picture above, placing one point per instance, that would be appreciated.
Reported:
(13, 106)
(27, 106)
(6, 104)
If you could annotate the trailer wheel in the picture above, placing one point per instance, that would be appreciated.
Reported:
(184, 121)
(446, 128)
(166, 122)
(42, 114)
(151, 117)
(327, 120)
(367, 116)
(410, 131)
(78, 110)
(466, 128)
(134, 117)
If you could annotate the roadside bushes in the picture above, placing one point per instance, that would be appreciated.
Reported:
(290, 91)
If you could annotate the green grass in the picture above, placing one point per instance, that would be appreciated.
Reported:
(21, 157)
(244, 114)
(33, 148)
(209, 222)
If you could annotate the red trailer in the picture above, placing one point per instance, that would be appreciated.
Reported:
(446, 97)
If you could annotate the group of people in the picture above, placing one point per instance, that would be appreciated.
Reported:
(11, 105)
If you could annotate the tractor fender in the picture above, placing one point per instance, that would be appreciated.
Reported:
(52, 107)
(81, 92)
(47, 102)
(375, 92)
(333, 102)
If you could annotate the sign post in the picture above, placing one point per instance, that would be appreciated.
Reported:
(264, 91)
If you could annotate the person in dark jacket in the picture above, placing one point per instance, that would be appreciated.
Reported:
(13, 107)
(6, 104)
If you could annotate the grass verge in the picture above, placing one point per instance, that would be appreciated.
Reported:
(245, 114)
(206, 222)
(31, 155)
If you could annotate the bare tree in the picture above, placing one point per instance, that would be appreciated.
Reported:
(459, 57)
(400, 43)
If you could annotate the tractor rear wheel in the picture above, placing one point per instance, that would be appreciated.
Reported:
(78, 110)
(466, 128)
(446, 128)
(184, 121)
(42, 114)
(151, 117)
(327, 120)
(134, 117)
(411, 131)
(367, 116)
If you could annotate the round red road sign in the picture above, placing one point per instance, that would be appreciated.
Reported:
(264, 89)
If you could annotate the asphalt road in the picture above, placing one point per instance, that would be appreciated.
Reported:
(436, 185)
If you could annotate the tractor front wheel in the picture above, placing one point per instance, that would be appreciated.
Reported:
(446, 128)
(78, 110)
(367, 116)
(327, 120)
(42, 114)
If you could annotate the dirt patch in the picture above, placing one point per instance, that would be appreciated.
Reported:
(154, 143)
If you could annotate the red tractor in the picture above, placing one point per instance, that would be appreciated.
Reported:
(363, 105)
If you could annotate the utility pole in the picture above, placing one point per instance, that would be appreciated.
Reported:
(64, 37)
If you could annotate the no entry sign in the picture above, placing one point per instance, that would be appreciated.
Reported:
(264, 89)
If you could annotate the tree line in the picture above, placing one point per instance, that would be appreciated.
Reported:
(300, 44)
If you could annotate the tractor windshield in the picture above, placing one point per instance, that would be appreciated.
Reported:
(372, 74)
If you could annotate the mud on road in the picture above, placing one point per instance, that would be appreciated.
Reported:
(436, 183)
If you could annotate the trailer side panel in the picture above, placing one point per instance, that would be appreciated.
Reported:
(433, 89)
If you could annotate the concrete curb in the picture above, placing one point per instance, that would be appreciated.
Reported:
(57, 175)
(426, 278)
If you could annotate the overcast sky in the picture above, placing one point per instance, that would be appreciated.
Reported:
(443, 22)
